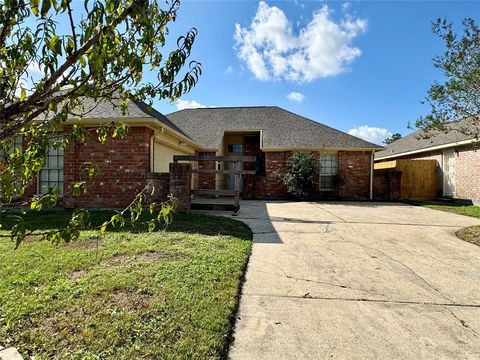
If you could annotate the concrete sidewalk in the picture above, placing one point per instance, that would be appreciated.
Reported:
(358, 281)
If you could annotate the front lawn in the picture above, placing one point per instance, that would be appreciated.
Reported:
(165, 295)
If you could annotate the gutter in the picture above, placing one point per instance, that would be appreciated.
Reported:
(372, 159)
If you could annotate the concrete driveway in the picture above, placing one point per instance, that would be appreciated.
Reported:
(358, 281)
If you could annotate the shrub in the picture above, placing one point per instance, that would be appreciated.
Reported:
(300, 175)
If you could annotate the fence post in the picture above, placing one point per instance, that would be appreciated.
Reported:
(181, 184)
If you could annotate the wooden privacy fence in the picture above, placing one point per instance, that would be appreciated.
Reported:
(237, 171)
(419, 177)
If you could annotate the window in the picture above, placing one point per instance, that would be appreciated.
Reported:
(235, 148)
(17, 144)
(52, 174)
(328, 171)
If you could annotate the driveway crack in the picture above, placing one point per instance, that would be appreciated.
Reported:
(319, 281)
(425, 282)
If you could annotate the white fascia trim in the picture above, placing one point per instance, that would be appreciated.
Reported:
(432, 148)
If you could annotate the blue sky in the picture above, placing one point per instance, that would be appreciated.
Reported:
(361, 63)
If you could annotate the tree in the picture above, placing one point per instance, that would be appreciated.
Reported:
(300, 175)
(458, 97)
(392, 138)
(102, 51)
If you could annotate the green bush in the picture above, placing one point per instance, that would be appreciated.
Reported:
(300, 175)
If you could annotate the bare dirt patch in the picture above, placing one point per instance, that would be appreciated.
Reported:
(83, 244)
(119, 260)
(470, 234)
(128, 301)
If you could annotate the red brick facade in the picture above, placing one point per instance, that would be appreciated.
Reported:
(124, 166)
(271, 185)
(206, 181)
(387, 185)
(354, 169)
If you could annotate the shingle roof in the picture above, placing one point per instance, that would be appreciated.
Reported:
(416, 142)
(281, 129)
(135, 110)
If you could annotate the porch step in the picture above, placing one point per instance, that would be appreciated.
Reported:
(211, 206)
(211, 192)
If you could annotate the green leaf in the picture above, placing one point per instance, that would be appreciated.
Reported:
(55, 44)
(46, 5)
(103, 227)
(23, 94)
(34, 6)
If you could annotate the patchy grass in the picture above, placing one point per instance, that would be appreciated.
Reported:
(461, 209)
(170, 294)
(470, 234)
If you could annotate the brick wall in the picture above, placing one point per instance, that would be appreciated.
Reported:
(269, 186)
(354, 174)
(180, 184)
(468, 173)
(124, 166)
(160, 187)
(387, 185)
(206, 181)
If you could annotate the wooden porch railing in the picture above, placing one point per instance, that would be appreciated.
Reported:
(237, 171)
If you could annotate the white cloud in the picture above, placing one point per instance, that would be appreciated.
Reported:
(190, 104)
(296, 97)
(322, 48)
(346, 6)
(229, 70)
(372, 134)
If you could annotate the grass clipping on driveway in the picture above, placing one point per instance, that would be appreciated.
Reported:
(163, 295)
(470, 234)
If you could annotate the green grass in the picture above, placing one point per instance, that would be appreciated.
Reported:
(165, 295)
(468, 210)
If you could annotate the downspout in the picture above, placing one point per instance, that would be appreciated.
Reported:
(371, 175)
(152, 153)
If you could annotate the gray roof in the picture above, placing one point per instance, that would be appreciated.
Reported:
(281, 129)
(135, 110)
(417, 140)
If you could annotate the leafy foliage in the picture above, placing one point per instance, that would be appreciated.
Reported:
(46, 73)
(300, 175)
(392, 138)
(459, 96)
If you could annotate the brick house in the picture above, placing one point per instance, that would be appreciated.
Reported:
(272, 134)
(269, 133)
(457, 156)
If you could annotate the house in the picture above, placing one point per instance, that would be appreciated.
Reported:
(270, 133)
(457, 156)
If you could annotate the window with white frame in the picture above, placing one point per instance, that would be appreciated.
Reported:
(328, 171)
(16, 145)
(51, 175)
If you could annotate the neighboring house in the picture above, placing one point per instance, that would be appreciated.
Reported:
(457, 156)
(269, 133)
(272, 134)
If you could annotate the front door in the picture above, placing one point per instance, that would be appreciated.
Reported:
(449, 173)
(234, 150)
